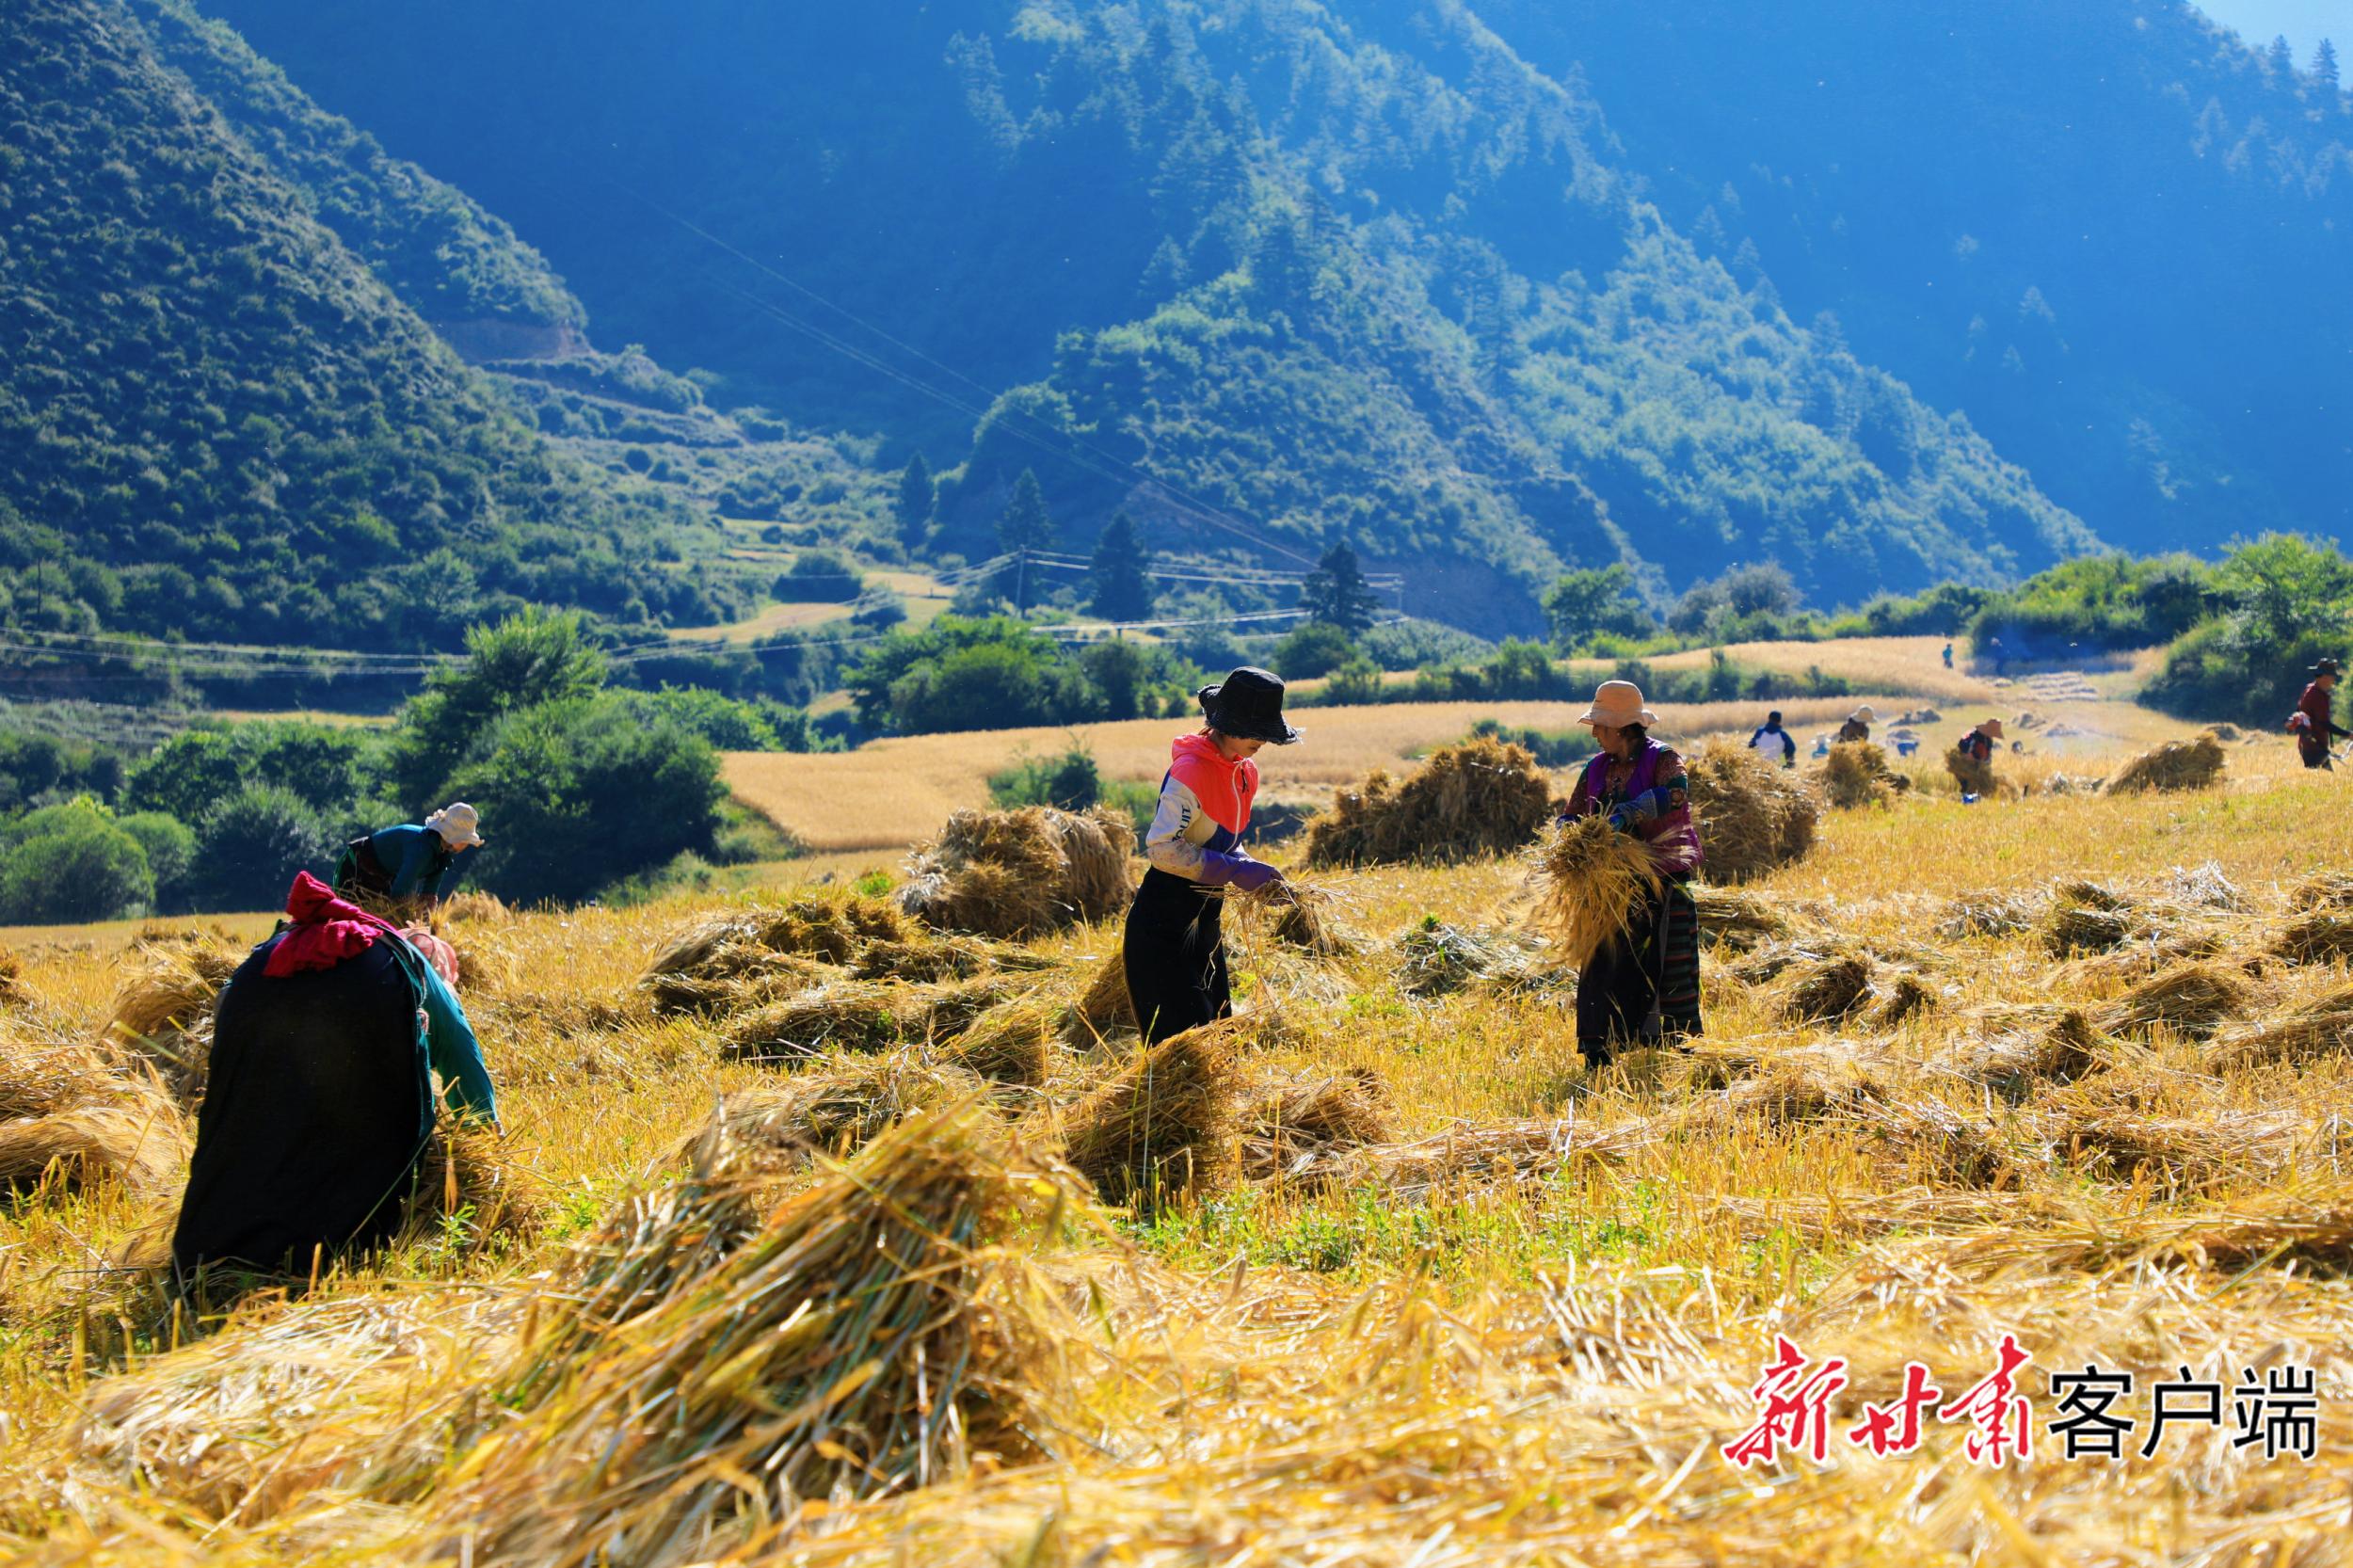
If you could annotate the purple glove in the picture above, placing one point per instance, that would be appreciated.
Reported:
(1251, 875)
(1219, 870)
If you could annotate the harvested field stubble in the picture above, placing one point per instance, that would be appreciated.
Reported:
(1402, 1272)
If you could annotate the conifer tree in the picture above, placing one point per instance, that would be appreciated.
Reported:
(1335, 592)
(1117, 586)
(1022, 527)
(914, 506)
(2325, 79)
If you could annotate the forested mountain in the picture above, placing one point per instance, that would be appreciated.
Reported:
(217, 419)
(1886, 294)
(1362, 271)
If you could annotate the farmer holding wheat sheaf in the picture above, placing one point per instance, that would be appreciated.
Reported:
(2313, 721)
(1643, 984)
(1174, 950)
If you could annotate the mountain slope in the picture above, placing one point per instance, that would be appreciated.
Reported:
(1373, 275)
(216, 421)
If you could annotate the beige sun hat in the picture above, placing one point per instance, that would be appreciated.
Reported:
(1866, 714)
(1617, 704)
(1992, 728)
(458, 824)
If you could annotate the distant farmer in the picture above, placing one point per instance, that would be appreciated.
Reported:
(1949, 653)
(1858, 725)
(1771, 738)
(407, 864)
(1174, 951)
(2311, 721)
(319, 1101)
(1643, 985)
(1978, 744)
(1999, 654)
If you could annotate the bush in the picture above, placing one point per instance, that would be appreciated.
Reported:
(1552, 748)
(250, 845)
(71, 863)
(729, 724)
(171, 846)
(328, 768)
(1314, 649)
(585, 794)
(819, 577)
(529, 659)
(1071, 781)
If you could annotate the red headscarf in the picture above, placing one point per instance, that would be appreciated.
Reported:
(325, 930)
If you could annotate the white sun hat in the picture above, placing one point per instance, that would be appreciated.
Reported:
(458, 824)
(1617, 704)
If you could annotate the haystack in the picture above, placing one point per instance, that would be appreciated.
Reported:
(2322, 938)
(1435, 958)
(138, 1141)
(1974, 777)
(1828, 990)
(698, 1381)
(2190, 1000)
(2176, 765)
(1752, 815)
(1289, 1127)
(1104, 1007)
(1022, 874)
(1014, 1041)
(859, 1015)
(1590, 879)
(1162, 1127)
(1855, 773)
(2037, 1050)
(834, 1111)
(163, 1015)
(1484, 796)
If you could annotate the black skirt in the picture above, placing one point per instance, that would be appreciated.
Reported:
(316, 1113)
(1174, 953)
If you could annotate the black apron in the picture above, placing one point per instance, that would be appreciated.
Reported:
(1175, 955)
(316, 1113)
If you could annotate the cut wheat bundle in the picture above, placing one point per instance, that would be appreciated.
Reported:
(163, 1015)
(1291, 1128)
(832, 1110)
(1735, 921)
(2023, 1049)
(2324, 937)
(1855, 774)
(1023, 873)
(1974, 776)
(859, 1015)
(868, 1335)
(1590, 879)
(136, 1139)
(1162, 1127)
(1103, 1009)
(1014, 1041)
(2176, 765)
(1828, 990)
(1752, 815)
(1482, 797)
(1305, 918)
(2190, 1000)
(1435, 959)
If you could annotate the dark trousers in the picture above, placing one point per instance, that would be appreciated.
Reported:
(1174, 953)
(1641, 988)
(2316, 754)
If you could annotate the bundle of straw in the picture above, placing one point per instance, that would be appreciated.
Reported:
(1103, 1008)
(1905, 996)
(41, 1076)
(138, 1141)
(700, 1382)
(2014, 1062)
(2324, 937)
(1484, 796)
(1014, 1041)
(487, 909)
(1022, 874)
(834, 1111)
(2323, 1028)
(858, 1015)
(2176, 765)
(2328, 890)
(1435, 958)
(1855, 773)
(1987, 915)
(472, 1177)
(1163, 1125)
(1974, 777)
(1289, 1127)
(1590, 879)
(2190, 1000)
(1956, 1150)
(1302, 918)
(1752, 814)
(1827, 988)
(2074, 928)
(164, 1011)
(1735, 921)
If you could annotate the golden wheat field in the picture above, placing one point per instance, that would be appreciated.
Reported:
(821, 1238)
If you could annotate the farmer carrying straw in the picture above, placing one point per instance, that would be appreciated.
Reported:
(1858, 725)
(1174, 951)
(319, 1101)
(402, 867)
(1643, 985)
(2312, 722)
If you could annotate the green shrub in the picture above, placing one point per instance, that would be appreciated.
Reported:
(819, 577)
(250, 845)
(70, 863)
(1070, 781)
(1314, 649)
(171, 846)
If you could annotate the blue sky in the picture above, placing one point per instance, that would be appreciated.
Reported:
(2304, 21)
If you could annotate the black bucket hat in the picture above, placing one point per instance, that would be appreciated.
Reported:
(1248, 705)
(2326, 666)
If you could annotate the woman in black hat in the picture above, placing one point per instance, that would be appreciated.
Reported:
(1174, 950)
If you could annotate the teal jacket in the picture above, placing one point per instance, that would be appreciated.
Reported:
(417, 857)
(450, 1047)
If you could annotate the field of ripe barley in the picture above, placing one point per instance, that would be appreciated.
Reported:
(821, 1236)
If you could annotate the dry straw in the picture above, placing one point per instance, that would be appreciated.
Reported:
(1104, 1008)
(1435, 959)
(1855, 773)
(706, 1378)
(1973, 775)
(1754, 815)
(136, 1140)
(1022, 874)
(1737, 922)
(2053, 1048)
(1162, 1128)
(1590, 878)
(1302, 919)
(2176, 765)
(1291, 1127)
(859, 1015)
(2190, 1000)
(1828, 990)
(1014, 1041)
(1482, 797)
(2323, 937)
(834, 1109)
(164, 1011)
